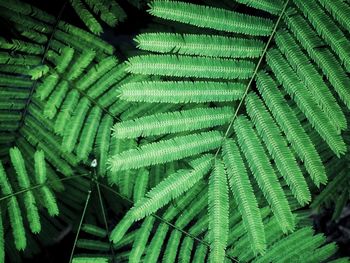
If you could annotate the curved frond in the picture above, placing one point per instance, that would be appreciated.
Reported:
(188, 66)
(166, 151)
(210, 17)
(181, 91)
(263, 172)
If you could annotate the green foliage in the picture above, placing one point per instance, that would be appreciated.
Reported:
(250, 96)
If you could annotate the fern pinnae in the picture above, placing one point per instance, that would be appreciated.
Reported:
(263, 172)
(55, 99)
(141, 185)
(202, 45)
(102, 143)
(44, 89)
(188, 66)
(277, 147)
(156, 243)
(292, 128)
(172, 247)
(141, 239)
(171, 187)
(305, 101)
(83, 60)
(181, 91)
(166, 151)
(72, 130)
(243, 193)
(15, 216)
(88, 133)
(172, 122)
(311, 77)
(324, 58)
(210, 17)
(339, 11)
(218, 209)
(326, 28)
(40, 167)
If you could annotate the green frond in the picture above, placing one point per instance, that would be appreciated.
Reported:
(323, 253)
(339, 10)
(121, 228)
(210, 17)
(277, 146)
(323, 57)
(173, 122)
(165, 151)
(171, 187)
(94, 230)
(19, 166)
(55, 100)
(263, 172)
(181, 91)
(77, 68)
(327, 28)
(201, 45)
(93, 245)
(141, 185)
(156, 243)
(28, 60)
(23, 46)
(72, 129)
(172, 246)
(188, 66)
(271, 6)
(243, 193)
(218, 210)
(44, 89)
(90, 260)
(85, 15)
(15, 216)
(96, 72)
(186, 250)
(141, 239)
(295, 88)
(38, 72)
(65, 58)
(88, 133)
(200, 253)
(102, 143)
(2, 243)
(291, 127)
(66, 111)
(49, 201)
(11, 81)
(311, 77)
(40, 167)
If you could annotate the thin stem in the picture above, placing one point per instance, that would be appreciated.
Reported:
(253, 76)
(80, 224)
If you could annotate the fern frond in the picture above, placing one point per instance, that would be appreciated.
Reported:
(210, 17)
(66, 57)
(181, 91)
(188, 66)
(66, 111)
(102, 143)
(121, 228)
(218, 209)
(173, 122)
(72, 130)
(81, 259)
(166, 151)
(15, 216)
(271, 6)
(311, 77)
(172, 246)
(243, 193)
(96, 72)
(46, 87)
(86, 17)
(324, 58)
(23, 181)
(171, 187)
(94, 230)
(277, 147)
(83, 60)
(88, 133)
(201, 45)
(292, 128)
(141, 185)
(40, 167)
(141, 240)
(305, 101)
(339, 10)
(263, 172)
(326, 28)
(155, 246)
(55, 100)
(38, 72)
